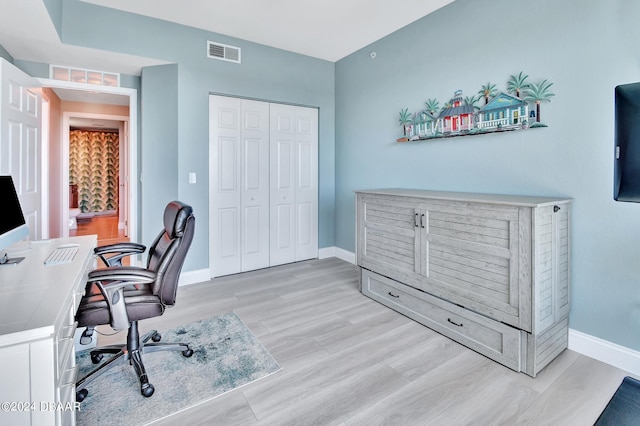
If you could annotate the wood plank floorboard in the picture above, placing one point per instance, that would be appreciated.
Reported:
(347, 360)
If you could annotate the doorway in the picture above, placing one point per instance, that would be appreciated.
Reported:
(87, 93)
(96, 191)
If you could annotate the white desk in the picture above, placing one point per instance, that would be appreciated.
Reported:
(38, 303)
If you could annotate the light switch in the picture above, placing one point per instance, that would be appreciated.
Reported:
(192, 177)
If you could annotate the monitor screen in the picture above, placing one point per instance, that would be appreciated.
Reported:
(626, 171)
(13, 227)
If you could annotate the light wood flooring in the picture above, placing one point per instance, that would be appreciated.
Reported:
(347, 360)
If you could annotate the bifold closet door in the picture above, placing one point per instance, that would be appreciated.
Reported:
(239, 185)
(294, 183)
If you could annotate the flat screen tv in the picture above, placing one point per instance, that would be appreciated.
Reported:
(626, 166)
(12, 225)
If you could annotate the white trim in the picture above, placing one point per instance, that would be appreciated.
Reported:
(345, 255)
(194, 277)
(605, 351)
(326, 252)
(133, 148)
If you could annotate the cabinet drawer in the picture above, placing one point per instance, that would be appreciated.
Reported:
(491, 338)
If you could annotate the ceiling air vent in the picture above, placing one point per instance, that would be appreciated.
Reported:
(223, 51)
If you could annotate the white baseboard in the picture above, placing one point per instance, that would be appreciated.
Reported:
(193, 277)
(345, 255)
(605, 351)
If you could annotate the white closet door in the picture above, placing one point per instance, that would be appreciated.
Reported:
(255, 185)
(306, 120)
(224, 185)
(20, 141)
(239, 185)
(294, 183)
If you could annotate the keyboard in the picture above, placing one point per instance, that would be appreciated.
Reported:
(61, 255)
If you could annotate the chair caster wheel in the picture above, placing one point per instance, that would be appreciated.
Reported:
(81, 395)
(187, 353)
(96, 358)
(156, 337)
(147, 390)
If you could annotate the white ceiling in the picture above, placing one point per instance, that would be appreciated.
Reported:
(326, 29)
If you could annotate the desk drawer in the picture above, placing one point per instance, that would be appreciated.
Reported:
(491, 338)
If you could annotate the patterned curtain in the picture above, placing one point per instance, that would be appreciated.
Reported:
(93, 166)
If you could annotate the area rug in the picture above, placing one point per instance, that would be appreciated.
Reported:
(226, 355)
(624, 407)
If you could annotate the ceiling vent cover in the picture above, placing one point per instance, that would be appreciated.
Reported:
(223, 52)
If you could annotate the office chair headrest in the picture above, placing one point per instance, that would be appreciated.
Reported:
(175, 218)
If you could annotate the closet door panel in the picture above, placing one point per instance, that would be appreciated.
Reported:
(255, 185)
(306, 191)
(282, 229)
(225, 186)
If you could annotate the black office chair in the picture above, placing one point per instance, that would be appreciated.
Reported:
(122, 295)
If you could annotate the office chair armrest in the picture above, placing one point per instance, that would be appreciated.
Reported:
(122, 249)
(112, 282)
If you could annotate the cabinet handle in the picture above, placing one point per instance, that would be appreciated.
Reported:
(416, 220)
(422, 220)
(556, 209)
(454, 323)
(393, 295)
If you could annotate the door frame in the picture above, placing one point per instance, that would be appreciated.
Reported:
(124, 149)
(132, 139)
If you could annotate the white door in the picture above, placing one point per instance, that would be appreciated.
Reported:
(238, 185)
(20, 141)
(294, 183)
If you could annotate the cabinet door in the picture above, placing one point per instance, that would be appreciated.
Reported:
(473, 254)
(551, 265)
(389, 235)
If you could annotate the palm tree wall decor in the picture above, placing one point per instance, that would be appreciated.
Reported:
(539, 93)
(405, 119)
(517, 83)
(487, 90)
(502, 111)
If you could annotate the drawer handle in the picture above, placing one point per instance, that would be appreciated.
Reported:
(422, 220)
(416, 220)
(393, 295)
(455, 323)
(556, 209)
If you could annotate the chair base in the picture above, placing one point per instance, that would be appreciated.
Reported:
(131, 352)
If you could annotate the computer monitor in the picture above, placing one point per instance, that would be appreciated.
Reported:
(13, 227)
(626, 166)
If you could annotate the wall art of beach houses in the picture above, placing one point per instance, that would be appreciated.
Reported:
(462, 116)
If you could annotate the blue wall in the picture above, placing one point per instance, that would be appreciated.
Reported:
(4, 54)
(265, 73)
(585, 49)
(160, 148)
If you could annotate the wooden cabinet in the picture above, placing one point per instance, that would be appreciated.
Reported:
(489, 271)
